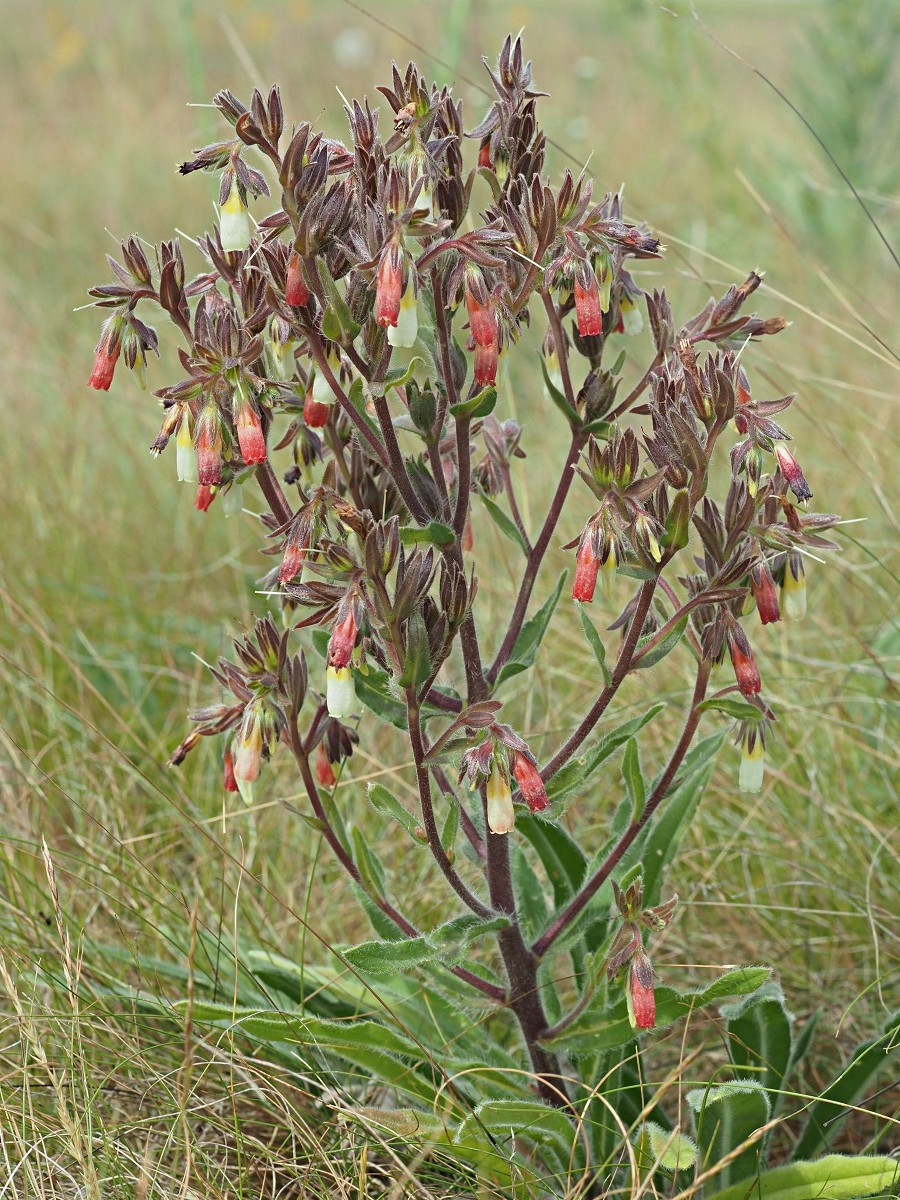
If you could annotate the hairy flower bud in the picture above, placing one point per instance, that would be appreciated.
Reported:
(745, 669)
(248, 426)
(763, 587)
(640, 995)
(324, 769)
(106, 355)
(790, 469)
(296, 293)
(482, 318)
(209, 444)
(343, 640)
(389, 287)
(530, 783)
(587, 301)
(587, 566)
(229, 782)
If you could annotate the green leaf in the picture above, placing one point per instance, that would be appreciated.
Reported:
(663, 647)
(725, 1117)
(357, 398)
(531, 902)
(337, 320)
(505, 524)
(385, 802)
(370, 869)
(575, 773)
(634, 780)
(836, 1177)
(450, 942)
(760, 1039)
(417, 654)
(850, 1085)
(561, 856)
(732, 707)
(594, 641)
(386, 958)
(527, 1119)
(373, 689)
(660, 842)
(667, 1148)
(434, 533)
(399, 376)
(531, 635)
(450, 827)
(480, 405)
(607, 1026)
(599, 428)
(558, 397)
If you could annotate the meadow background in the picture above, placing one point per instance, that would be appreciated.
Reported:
(113, 588)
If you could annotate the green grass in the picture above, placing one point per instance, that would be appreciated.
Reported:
(110, 583)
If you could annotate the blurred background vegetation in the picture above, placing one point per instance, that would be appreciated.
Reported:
(113, 588)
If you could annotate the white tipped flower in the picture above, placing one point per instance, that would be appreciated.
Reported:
(405, 332)
(632, 319)
(554, 374)
(186, 453)
(753, 765)
(608, 573)
(340, 693)
(501, 816)
(235, 229)
(793, 591)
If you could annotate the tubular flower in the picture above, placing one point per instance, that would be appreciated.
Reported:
(324, 770)
(248, 425)
(530, 783)
(106, 355)
(389, 287)
(790, 469)
(228, 780)
(482, 318)
(206, 493)
(296, 293)
(486, 358)
(185, 452)
(753, 760)
(745, 669)
(234, 220)
(315, 414)
(343, 639)
(763, 587)
(248, 757)
(340, 694)
(406, 328)
(209, 444)
(587, 301)
(793, 589)
(608, 572)
(501, 816)
(295, 549)
(640, 996)
(631, 317)
(587, 566)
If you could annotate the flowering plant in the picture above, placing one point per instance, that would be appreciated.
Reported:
(345, 353)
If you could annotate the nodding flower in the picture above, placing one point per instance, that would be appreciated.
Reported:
(235, 230)
(587, 566)
(486, 360)
(228, 780)
(501, 816)
(343, 640)
(208, 442)
(484, 154)
(530, 783)
(753, 759)
(296, 293)
(630, 315)
(106, 355)
(340, 693)
(295, 549)
(324, 770)
(389, 288)
(315, 414)
(206, 493)
(248, 756)
(483, 323)
(185, 451)
(745, 669)
(790, 469)
(248, 425)
(793, 589)
(587, 301)
(640, 996)
(763, 587)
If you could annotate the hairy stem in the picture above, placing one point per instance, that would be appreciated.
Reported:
(275, 497)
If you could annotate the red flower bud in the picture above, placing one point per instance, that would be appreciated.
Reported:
(206, 493)
(389, 289)
(106, 355)
(343, 639)
(324, 769)
(586, 567)
(294, 554)
(484, 153)
(482, 318)
(249, 431)
(315, 414)
(530, 783)
(208, 441)
(486, 364)
(745, 669)
(642, 1000)
(763, 587)
(587, 302)
(790, 469)
(296, 293)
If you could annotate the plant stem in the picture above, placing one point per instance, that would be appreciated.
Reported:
(428, 820)
(621, 669)
(578, 902)
(275, 497)
(636, 392)
(464, 477)
(398, 470)
(315, 347)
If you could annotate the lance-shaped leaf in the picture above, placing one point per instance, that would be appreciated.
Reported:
(434, 533)
(480, 405)
(505, 524)
(574, 775)
(760, 1040)
(558, 397)
(727, 1117)
(338, 323)
(836, 1177)
(531, 635)
(387, 803)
